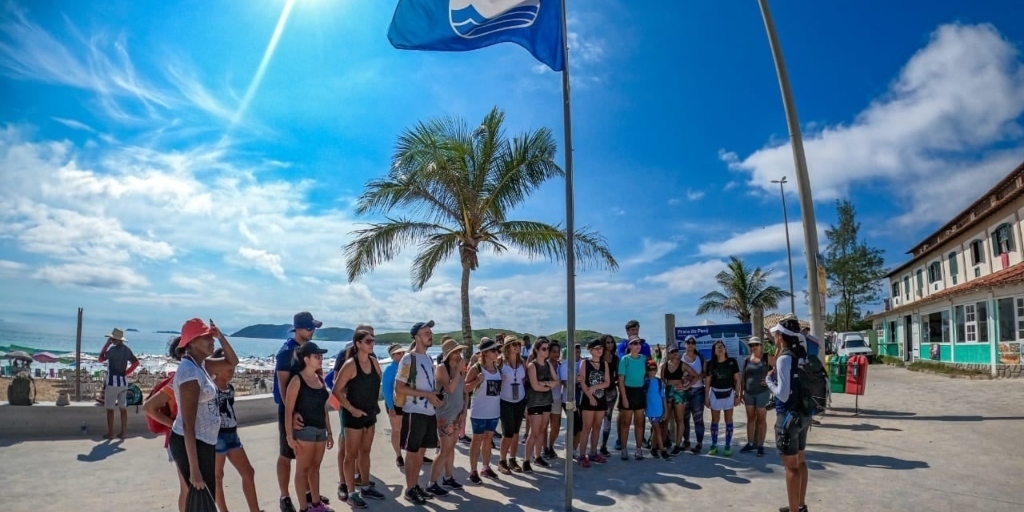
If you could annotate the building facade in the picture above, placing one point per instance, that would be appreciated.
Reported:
(960, 298)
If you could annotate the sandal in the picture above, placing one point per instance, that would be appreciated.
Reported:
(624, 456)
(639, 454)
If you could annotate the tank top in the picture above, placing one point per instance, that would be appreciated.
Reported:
(226, 403)
(487, 396)
(310, 404)
(697, 367)
(362, 391)
(541, 398)
(594, 376)
(453, 401)
(513, 386)
(754, 373)
(676, 374)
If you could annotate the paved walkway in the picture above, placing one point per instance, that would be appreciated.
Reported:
(921, 442)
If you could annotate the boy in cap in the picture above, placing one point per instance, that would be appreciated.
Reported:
(414, 391)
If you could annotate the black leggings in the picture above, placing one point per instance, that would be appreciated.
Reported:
(207, 461)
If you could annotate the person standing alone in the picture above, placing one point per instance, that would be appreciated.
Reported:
(118, 356)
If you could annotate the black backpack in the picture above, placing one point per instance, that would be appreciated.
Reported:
(813, 384)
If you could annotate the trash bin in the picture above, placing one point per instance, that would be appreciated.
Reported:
(837, 374)
(856, 375)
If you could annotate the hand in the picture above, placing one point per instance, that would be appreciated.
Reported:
(297, 423)
(195, 478)
(625, 403)
(357, 413)
(737, 400)
(215, 331)
(294, 445)
(504, 377)
(435, 400)
(593, 401)
(330, 440)
(707, 401)
(771, 374)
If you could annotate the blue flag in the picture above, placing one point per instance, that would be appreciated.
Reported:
(463, 25)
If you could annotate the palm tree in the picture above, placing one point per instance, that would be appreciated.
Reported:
(458, 185)
(743, 292)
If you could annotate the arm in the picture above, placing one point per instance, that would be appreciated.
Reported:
(473, 379)
(327, 420)
(737, 384)
(291, 394)
(531, 370)
(152, 407)
(230, 359)
(103, 351)
(778, 379)
(347, 373)
(134, 362)
(188, 408)
(445, 380)
(410, 390)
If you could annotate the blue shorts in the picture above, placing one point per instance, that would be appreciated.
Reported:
(481, 426)
(227, 441)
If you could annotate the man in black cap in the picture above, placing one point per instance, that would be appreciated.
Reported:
(286, 367)
(414, 393)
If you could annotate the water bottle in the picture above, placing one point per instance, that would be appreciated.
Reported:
(85, 429)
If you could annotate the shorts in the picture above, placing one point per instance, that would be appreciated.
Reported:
(481, 427)
(419, 431)
(675, 396)
(115, 397)
(637, 399)
(311, 435)
(284, 450)
(227, 441)
(206, 457)
(791, 433)
(556, 407)
(446, 427)
(585, 405)
(538, 410)
(367, 421)
(577, 422)
(512, 414)
(757, 400)
(654, 421)
(611, 397)
(723, 404)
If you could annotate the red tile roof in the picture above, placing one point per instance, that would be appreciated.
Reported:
(1010, 275)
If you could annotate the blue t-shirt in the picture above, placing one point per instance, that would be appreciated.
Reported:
(285, 363)
(655, 398)
(387, 383)
(623, 348)
(633, 369)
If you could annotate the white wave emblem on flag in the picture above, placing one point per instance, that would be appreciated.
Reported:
(478, 18)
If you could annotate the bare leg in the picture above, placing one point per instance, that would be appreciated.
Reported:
(762, 426)
(803, 476)
(222, 504)
(284, 469)
(353, 438)
(625, 419)
(182, 492)
(793, 480)
(638, 427)
(340, 445)
(303, 464)
(396, 432)
(110, 424)
(240, 460)
(124, 424)
(752, 424)
(555, 425)
(413, 464)
(314, 470)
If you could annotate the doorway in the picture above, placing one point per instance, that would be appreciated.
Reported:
(908, 344)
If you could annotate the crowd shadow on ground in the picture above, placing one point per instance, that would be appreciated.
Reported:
(850, 412)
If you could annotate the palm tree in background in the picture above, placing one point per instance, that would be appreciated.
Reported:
(743, 291)
(457, 186)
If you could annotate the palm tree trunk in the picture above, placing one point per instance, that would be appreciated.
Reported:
(467, 328)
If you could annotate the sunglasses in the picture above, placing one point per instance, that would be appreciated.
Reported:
(542, 349)
(368, 341)
(634, 343)
(691, 342)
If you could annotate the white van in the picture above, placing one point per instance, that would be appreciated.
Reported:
(852, 344)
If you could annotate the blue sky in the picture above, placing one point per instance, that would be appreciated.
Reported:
(146, 176)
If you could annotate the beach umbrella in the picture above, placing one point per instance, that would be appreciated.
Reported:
(45, 357)
(18, 356)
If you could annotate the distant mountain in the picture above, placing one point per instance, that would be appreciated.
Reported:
(334, 334)
(283, 331)
(131, 329)
(167, 332)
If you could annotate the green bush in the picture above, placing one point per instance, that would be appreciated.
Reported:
(943, 369)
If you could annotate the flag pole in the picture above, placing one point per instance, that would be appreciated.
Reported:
(570, 266)
(803, 181)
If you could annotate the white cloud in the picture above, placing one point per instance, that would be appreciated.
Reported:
(91, 275)
(651, 251)
(263, 260)
(694, 278)
(674, 201)
(955, 103)
(694, 195)
(76, 125)
(770, 238)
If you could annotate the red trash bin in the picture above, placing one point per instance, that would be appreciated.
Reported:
(856, 375)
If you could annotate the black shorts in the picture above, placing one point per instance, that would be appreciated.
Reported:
(584, 403)
(637, 400)
(367, 421)
(538, 410)
(512, 414)
(206, 455)
(791, 433)
(577, 422)
(285, 450)
(419, 431)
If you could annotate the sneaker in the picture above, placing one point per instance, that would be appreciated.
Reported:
(584, 462)
(527, 468)
(713, 450)
(413, 496)
(677, 450)
(370, 492)
(728, 451)
(604, 451)
(427, 460)
(493, 445)
(489, 473)
(598, 458)
(355, 501)
(400, 462)
(322, 507)
(639, 455)
(424, 494)
(451, 483)
(503, 467)
(437, 490)
(686, 446)
(286, 504)
(664, 455)
(803, 508)
(475, 478)
(465, 440)
(697, 449)
(760, 451)
(342, 492)
(747, 448)
(514, 466)
(618, 445)
(624, 456)
(323, 499)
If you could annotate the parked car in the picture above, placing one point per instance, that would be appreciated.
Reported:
(852, 344)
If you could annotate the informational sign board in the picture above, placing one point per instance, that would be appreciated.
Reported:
(707, 335)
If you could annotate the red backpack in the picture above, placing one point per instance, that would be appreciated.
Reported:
(155, 426)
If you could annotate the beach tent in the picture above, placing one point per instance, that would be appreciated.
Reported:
(45, 357)
(18, 355)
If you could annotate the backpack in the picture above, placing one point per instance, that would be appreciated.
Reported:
(155, 426)
(133, 396)
(22, 390)
(813, 384)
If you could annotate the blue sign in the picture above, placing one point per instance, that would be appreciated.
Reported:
(707, 335)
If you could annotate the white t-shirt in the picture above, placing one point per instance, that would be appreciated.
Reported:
(417, 370)
(563, 373)
(208, 412)
(513, 382)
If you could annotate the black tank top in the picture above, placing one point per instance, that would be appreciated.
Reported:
(594, 376)
(362, 391)
(310, 404)
(677, 374)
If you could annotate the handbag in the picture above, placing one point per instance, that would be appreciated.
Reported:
(722, 394)
(200, 500)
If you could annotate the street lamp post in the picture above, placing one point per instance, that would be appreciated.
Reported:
(789, 251)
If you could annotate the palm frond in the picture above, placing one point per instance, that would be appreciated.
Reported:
(545, 240)
(381, 242)
(434, 249)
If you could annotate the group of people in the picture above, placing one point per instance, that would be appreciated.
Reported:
(428, 401)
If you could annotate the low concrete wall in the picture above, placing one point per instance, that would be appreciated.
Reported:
(46, 420)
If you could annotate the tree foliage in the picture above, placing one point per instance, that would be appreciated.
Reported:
(855, 270)
(742, 292)
(449, 192)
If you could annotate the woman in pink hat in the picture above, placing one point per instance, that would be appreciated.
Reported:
(197, 425)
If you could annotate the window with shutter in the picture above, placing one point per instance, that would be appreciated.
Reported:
(977, 252)
(953, 270)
